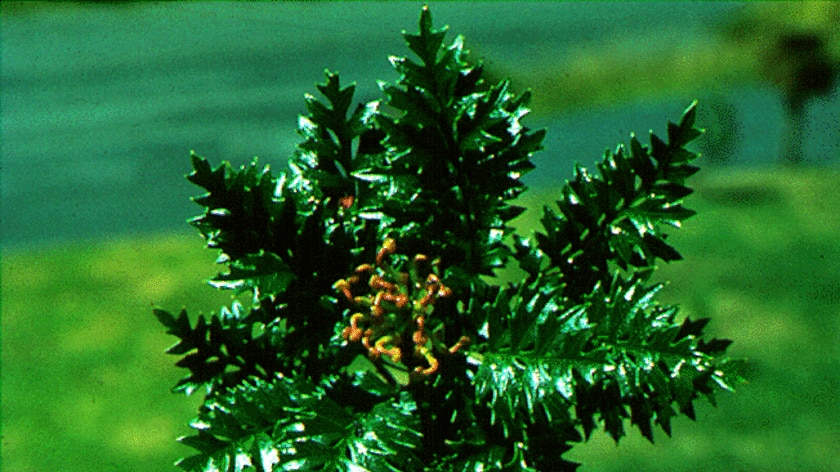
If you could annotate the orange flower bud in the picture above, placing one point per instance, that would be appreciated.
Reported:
(344, 287)
(378, 283)
(389, 246)
(463, 342)
(433, 363)
(364, 269)
(346, 202)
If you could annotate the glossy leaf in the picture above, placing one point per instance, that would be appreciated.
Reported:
(264, 271)
(617, 357)
(616, 219)
(292, 425)
(462, 142)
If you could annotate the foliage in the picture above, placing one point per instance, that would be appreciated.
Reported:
(378, 338)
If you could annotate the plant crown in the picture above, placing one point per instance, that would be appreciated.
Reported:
(378, 337)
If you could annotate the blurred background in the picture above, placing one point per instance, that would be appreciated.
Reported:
(102, 103)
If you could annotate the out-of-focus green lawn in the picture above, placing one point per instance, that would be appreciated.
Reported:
(84, 378)
(85, 384)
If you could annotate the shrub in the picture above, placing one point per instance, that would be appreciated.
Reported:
(377, 335)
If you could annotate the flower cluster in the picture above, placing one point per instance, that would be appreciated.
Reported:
(395, 311)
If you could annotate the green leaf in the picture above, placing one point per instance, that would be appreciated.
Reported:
(620, 356)
(291, 424)
(244, 212)
(685, 132)
(223, 349)
(455, 140)
(386, 438)
(616, 219)
(426, 44)
(264, 272)
(238, 429)
(326, 158)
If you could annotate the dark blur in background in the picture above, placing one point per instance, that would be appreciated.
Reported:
(102, 103)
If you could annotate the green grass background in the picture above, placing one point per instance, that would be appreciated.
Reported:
(85, 382)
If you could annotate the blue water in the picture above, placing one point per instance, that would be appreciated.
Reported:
(102, 104)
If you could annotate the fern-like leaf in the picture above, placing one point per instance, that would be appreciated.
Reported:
(459, 140)
(616, 220)
(289, 424)
(617, 356)
(225, 348)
